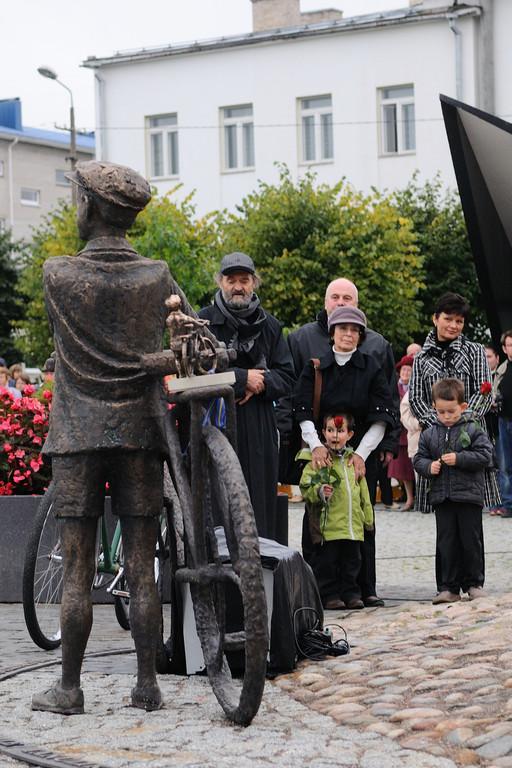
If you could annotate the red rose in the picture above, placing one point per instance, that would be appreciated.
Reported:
(338, 422)
(485, 388)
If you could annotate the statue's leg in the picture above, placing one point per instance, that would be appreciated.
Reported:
(139, 544)
(78, 537)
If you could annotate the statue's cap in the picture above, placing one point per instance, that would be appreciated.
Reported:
(116, 184)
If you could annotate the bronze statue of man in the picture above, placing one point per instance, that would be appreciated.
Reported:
(107, 308)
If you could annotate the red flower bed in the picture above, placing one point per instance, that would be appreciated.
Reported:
(23, 428)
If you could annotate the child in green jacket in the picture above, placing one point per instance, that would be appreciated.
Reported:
(339, 510)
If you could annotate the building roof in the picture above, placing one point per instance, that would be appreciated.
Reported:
(369, 21)
(84, 142)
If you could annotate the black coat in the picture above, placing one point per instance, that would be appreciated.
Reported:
(313, 340)
(256, 423)
(465, 482)
(359, 387)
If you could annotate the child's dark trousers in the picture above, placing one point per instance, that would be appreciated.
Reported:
(459, 551)
(336, 565)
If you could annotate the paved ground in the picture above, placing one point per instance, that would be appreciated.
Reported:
(423, 687)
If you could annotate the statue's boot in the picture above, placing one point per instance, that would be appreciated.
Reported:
(147, 697)
(62, 701)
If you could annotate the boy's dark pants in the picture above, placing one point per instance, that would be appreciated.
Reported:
(459, 550)
(336, 566)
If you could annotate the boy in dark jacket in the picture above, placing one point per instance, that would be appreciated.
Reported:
(453, 454)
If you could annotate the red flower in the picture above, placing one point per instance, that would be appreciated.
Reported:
(338, 422)
(47, 394)
(485, 388)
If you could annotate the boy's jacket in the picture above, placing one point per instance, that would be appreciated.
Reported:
(349, 510)
(465, 481)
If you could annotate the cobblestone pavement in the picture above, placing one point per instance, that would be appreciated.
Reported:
(423, 687)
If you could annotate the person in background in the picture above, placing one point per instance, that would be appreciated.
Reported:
(22, 381)
(353, 382)
(264, 372)
(401, 468)
(313, 340)
(14, 372)
(339, 510)
(502, 396)
(4, 382)
(448, 353)
(413, 349)
(453, 454)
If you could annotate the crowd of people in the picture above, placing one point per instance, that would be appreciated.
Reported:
(329, 408)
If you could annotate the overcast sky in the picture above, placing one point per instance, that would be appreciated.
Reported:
(62, 33)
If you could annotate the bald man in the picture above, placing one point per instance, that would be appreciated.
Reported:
(313, 340)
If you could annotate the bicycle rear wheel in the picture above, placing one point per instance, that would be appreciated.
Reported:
(42, 577)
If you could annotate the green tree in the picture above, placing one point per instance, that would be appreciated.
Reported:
(11, 308)
(301, 236)
(443, 242)
(164, 230)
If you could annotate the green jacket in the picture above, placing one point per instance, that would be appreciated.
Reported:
(349, 510)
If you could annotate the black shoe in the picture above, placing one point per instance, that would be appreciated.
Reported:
(372, 601)
(506, 513)
(335, 604)
(355, 604)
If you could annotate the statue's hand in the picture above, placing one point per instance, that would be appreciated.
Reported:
(159, 363)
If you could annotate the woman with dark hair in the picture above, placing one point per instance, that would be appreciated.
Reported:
(447, 353)
(351, 382)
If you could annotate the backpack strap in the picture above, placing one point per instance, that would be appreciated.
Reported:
(317, 392)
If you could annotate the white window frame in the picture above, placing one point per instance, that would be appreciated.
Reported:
(169, 134)
(400, 103)
(316, 114)
(27, 201)
(241, 126)
(65, 182)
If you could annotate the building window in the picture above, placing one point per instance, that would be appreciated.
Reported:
(2, 168)
(163, 145)
(30, 196)
(398, 131)
(237, 137)
(60, 178)
(316, 129)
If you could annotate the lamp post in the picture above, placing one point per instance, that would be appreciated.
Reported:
(52, 75)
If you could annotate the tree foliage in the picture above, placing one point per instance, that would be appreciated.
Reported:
(10, 300)
(301, 236)
(442, 239)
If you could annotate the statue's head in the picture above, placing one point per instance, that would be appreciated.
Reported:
(109, 195)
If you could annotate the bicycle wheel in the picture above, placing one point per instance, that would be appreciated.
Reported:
(207, 585)
(42, 577)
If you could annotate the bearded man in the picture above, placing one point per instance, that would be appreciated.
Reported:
(263, 370)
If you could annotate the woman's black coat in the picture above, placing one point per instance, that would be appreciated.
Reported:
(359, 387)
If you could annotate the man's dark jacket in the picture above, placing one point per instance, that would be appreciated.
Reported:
(256, 421)
(313, 340)
(465, 482)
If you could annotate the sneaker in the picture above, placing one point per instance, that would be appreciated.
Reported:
(393, 506)
(445, 597)
(355, 604)
(334, 605)
(62, 701)
(504, 512)
(149, 698)
(475, 592)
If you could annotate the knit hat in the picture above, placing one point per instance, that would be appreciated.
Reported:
(406, 360)
(346, 315)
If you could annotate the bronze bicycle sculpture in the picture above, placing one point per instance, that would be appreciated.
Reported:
(110, 423)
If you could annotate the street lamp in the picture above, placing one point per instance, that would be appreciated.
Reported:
(52, 75)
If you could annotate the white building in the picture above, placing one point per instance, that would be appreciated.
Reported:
(32, 167)
(355, 97)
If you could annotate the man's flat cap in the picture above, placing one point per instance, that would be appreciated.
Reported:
(116, 184)
(237, 262)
